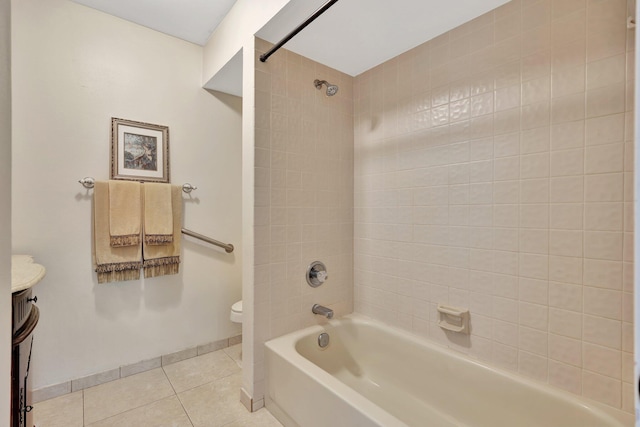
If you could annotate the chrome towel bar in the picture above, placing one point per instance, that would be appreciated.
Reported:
(90, 182)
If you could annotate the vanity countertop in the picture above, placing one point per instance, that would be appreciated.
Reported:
(24, 272)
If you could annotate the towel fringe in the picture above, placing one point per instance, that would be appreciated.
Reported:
(118, 266)
(118, 272)
(158, 239)
(128, 240)
(161, 266)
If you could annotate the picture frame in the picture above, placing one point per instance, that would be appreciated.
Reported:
(139, 151)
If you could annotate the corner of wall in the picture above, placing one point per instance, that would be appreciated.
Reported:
(5, 207)
(248, 150)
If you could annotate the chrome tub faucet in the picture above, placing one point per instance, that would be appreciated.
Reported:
(322, 310)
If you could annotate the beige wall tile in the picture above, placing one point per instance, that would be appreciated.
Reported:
(565, 269)
(566, 377)
(535, 140)
(603, 302)
(533, 365)
(533, 290)
(566, 243)
(605, 332)
(569, 26)
(567, 135)
(603, 273)
(605, 100)
(565, 296)
(565, 323)
(606, 129)
(606, 216)
(567, 162)
(565, 350)
(568, 80)
(568, 108)
(603, 245)
(567, 189)
(568, 216)
(602, 360)
(604, 158)
(601, 388)
(607, 71)
(516, 173)
(604, 188)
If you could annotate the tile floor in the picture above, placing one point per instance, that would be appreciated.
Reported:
(200, 392)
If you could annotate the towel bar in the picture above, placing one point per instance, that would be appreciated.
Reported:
(90, 182)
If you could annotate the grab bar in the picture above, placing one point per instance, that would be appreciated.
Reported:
(228, 247)
(88, 183)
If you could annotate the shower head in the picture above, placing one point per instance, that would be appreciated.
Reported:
(331, 89)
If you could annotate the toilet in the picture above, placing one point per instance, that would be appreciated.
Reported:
(236, 312)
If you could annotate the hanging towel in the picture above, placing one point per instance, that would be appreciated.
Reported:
(158, 215)
(124, 213)
(113, 264)
(160, 260)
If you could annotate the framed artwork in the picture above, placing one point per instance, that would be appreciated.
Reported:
(139, 151)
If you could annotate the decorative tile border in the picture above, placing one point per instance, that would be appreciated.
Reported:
(49, 392)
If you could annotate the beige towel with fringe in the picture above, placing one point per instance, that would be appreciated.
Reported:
(113, 264)
(125, 213)
(160, 260)
(158, 215)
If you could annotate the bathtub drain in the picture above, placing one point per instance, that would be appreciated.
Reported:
(323, 340)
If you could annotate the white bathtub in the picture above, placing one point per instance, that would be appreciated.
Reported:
(375, 375)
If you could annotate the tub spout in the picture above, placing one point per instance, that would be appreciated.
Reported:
(323, 311)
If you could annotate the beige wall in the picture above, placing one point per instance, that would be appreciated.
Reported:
(5, 209)
(493, 170)
(303, 196)
(73, 69)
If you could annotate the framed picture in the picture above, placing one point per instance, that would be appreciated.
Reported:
(139, 151)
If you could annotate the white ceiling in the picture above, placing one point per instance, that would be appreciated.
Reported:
(352, 36)
(191, 20)
(356, 35)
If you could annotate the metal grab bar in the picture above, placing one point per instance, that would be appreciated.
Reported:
(228, 247)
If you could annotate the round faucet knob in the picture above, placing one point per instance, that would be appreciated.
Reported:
(322, 276)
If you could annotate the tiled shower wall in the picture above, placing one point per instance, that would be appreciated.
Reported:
(493, 171)
(303, 195)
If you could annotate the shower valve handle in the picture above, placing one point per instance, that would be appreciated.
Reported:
(322, 276)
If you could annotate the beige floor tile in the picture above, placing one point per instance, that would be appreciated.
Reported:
(107, 400)
(216, 403)
(63, 411)
(200, 370)
(163, 413)
(235, 352)
(260, 418)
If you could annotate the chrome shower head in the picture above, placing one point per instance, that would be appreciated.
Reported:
(331, 89)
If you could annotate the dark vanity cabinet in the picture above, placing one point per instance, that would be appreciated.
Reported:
(25, 319)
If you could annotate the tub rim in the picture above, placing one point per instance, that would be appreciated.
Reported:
(288, 342)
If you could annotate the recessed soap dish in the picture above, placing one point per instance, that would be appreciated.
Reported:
(453, 318)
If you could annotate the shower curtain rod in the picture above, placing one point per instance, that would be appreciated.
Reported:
(292, 34)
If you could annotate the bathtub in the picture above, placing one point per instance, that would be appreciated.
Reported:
(371, 374)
